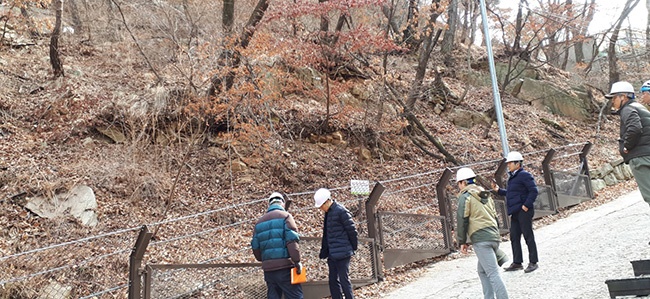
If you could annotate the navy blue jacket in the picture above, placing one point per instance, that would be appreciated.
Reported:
(340, 238)
(275, 240)
(521, 191)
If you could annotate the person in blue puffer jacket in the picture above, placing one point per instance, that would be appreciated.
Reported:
(338, 245)
(275, 244)
(520, 194)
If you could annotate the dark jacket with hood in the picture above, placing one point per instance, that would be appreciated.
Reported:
(521, 191)
(340, 238)
(635, 131)
(275, 239)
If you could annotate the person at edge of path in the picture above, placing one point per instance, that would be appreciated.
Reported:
(477, 218)
(520, 194)
(339, 243)
(275, 244)
(644, 98)
(634, 138)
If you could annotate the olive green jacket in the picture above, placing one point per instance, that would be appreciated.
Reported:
(476, 216)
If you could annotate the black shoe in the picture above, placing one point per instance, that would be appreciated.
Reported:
(531, 267)
(514, 267)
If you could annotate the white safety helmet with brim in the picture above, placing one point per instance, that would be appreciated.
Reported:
(276, 197)
(321, 196)
(464, 174)
(514, 157)
(621, 87)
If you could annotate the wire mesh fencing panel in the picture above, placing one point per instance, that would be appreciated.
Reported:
(246, 280)
(546, 203)
(363, 266)
(407, 238)
(85, 268)
(204, 281)
(570, 175)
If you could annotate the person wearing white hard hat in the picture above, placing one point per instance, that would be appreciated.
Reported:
(275, 244)
(634, 138)
(340, 241)
(644, 97)
(476, 219)
(521, 193)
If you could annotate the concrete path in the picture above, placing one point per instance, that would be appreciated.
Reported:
(576, 255)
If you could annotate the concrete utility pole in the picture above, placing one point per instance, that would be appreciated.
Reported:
(495, 83)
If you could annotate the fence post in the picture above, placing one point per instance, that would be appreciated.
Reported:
(585, 167)
(135, 261)
(546, 168)
(444, 205)
(500, 172)
(371, 208)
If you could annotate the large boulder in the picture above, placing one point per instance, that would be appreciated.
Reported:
(467, 118)
(79, 202)
(546, 95)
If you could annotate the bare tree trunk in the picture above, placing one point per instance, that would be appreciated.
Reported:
(430, 41)
(388, 13)
(229, 59)
(228, 16)
(55, 60)
(450, 33)
(411, 25)
(324, 20)
(474, 17)
(76, 19)
(612, 58)
(647, 29)
(580, 32)
(464, 22)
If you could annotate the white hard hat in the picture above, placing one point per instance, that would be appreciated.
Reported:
(645, 86)
(276, 196)
(620, 87)
(321, 196)
(514, 156)
(464, 174)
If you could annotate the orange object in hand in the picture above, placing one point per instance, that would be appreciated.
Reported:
(298, 278)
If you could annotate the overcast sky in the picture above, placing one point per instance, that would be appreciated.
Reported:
(607, 11)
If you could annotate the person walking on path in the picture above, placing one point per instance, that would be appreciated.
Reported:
(634, 138)
(339, 243)
(477, 218)
(520, 194)
(275, 244)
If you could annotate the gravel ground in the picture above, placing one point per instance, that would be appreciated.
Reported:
(577, 254)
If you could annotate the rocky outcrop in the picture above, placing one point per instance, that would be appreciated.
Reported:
(546, 95)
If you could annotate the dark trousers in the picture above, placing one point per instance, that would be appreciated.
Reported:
(279, 282)
(339, 278)
(521, 223)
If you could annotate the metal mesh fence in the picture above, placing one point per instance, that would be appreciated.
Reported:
(412, 231)
(205, 281)
(571, 184)
(89, 267)
(247, 280)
